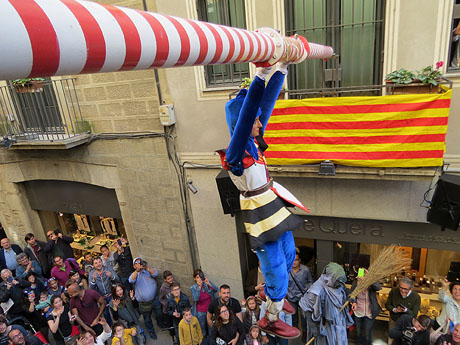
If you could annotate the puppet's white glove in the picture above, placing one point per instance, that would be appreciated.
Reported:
(263, 72)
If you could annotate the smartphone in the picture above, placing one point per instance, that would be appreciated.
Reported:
(361, 272)
(202, 277)
(119, 242)
(400, 305)
(73, 317)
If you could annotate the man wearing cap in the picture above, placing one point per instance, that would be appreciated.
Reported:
(145, 292)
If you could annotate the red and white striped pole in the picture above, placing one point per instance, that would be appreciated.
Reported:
(62, 37)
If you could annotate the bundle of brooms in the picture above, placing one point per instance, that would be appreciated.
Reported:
(389, 261)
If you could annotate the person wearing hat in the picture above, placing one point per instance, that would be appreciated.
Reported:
(145, 292)
(263, 202)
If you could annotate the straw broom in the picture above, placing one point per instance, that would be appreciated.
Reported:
(389, 261)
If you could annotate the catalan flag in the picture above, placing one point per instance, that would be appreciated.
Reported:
(375, 131)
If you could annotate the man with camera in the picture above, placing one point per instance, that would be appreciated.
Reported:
(409, 330)
(124, 260)
(145, 292)
(59, 244)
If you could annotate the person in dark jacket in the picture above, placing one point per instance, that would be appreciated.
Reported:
(124, 259)
(59, 244)
(35, 250)
(365, 310)
(407, 326)
(13, 289)
(8, 255)
(227, 327)
(177, 302)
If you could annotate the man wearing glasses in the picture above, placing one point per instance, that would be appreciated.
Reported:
(402, 300)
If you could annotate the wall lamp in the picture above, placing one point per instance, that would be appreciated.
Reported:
(326, 168)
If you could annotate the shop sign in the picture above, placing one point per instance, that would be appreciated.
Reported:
(421, 235)
(335, 226)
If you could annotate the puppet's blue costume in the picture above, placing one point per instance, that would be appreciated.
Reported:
(263, 202)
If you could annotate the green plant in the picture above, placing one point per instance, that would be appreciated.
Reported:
(428, 75)
(401, 76)
(246, 82)
(25, 81)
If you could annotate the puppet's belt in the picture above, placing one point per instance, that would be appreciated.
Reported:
(260, 190)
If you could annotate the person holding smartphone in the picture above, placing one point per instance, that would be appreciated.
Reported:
(60, 322)
(124, 259)
(203, 293)
(402, 300)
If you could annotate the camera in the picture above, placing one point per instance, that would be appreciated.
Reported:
(408, 336)
(9, 279)
(143, 263)
(201, 275)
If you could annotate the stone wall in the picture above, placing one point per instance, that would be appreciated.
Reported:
(145, 184)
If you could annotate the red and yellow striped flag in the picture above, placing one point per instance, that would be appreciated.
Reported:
(380, 131)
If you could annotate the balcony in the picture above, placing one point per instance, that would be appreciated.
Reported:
(42, 115)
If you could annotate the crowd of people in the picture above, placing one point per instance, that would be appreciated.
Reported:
(46, 295)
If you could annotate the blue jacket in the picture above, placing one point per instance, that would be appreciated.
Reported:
(196, 292)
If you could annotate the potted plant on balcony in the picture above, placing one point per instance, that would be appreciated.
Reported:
(27, 85)
(424, 81)
(246, 82)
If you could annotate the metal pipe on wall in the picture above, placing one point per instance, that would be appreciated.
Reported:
(62, 37)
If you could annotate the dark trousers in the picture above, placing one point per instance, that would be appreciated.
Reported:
(363, 325)
(277, 340)
(295, 317)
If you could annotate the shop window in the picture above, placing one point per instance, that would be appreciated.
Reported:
(89, 232)
(229, 13)
(353, 27)
(454, 49)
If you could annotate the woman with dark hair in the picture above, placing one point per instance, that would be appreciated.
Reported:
(124, 308)
(78, 279)
(59, 322)
(35, 284)
(203, 292)
(451, 306)
(227, 328)
(35, 317)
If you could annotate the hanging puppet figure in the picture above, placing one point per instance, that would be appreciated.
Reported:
(263, 202)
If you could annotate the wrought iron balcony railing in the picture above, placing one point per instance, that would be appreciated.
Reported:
(40, 111)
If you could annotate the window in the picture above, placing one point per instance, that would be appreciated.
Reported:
(354, 28)
(454, 49)
(229, 13)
